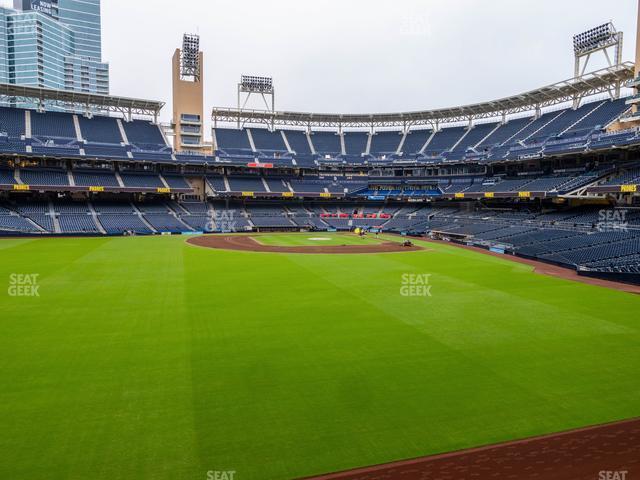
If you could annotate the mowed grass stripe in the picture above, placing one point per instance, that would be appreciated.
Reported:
(148, 358)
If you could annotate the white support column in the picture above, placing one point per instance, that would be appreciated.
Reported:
(27, 123)
(313, 149)
(119, 179)
(562, 112)
(498, 125)
(402, 140)
(286, 142)
(424, 147)
(265, 184)
(123, 133)
(508, 140)
(250, 137)
(461, 138)
(369, 140)
(164, 181)
(76, 124)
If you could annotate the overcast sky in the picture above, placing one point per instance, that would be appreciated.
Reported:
(356, 55)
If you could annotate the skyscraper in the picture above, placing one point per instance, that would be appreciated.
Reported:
(53, 44)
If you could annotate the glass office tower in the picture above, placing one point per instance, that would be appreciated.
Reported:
(53, 44)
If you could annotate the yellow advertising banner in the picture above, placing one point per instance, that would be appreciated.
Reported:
(22, 188)
(628, 188)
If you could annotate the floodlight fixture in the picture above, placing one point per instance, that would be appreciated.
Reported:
(256, 84)
(602, 36)
(600, 39)
(190, 57)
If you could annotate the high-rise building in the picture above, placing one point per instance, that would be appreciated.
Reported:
(53, 44)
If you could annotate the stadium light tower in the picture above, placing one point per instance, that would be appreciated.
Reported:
(635, 83)
(188, 96)
(253, 85)
(598, 39)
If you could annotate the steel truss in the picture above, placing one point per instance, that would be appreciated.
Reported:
(86, 102)
(602, 81)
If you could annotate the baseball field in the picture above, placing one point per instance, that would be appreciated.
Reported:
(153, 358)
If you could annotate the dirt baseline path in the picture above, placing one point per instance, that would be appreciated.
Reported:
(247, 243)
(592, 453)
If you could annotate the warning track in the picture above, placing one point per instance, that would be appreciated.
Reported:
(584, 454)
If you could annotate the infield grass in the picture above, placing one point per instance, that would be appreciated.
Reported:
(316, 239)
(150, 358)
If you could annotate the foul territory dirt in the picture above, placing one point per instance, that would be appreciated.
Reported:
(610, 452)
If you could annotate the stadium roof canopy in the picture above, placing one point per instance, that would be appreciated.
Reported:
(606, 80)
(79, 101)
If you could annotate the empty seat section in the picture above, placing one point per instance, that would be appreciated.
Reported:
(118, 224)
(276, 185)
(7, 177)
(268, 141)
(77, 224)
(355, 143)
(602, 116)
(53, 125)
(444, 140)
(44, 177)
(90, 178)
(415, 140)
(216, 182)
(232, 140)
(298, 141)
(246, 183)
(326, 143)
(505, 132)
(165, 223)
(141, 180)
(12, 122)
(100, 130)
(533, 127)
(385, 143)
(144, 135)
(176, 181)
(475, 136)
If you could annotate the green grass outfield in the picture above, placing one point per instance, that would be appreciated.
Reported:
(316, 239)
(150, 358)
